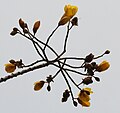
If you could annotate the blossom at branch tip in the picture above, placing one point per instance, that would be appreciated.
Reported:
(38, 85)
(9, 68)
(103, 66)
(70, 11)
(84, 97)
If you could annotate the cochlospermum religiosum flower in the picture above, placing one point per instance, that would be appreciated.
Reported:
(9, 68)
(84, 97)
(70, 11)
(38, 85)
(103, 66)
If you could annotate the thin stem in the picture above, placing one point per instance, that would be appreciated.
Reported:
(38, 61)
(65, 43)
(67, 83)
(71, 65)
(56, 73)
(39, 47)
(99, 56)
(72, 80)
(34, 44)
(50, 37)
(73, 71)
(45, 44)
(71, 58)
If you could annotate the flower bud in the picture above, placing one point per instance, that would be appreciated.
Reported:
(107, 52)
(97, 79)
(75, 103)
(21, 23)
(36, 26)
(48, 88)
(13, 33)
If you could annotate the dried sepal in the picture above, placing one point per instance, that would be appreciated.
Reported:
(9, 67)
(89, 58)
(12, 61)
(87, 80)
(74, 21)
(36, 26)
(49, 79)
(66, 95)
(63, 20)
(25, 31)
(19, 63)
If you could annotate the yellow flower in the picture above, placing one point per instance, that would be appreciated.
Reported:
(84, 97)
(103, 66)
(83, 103)
(9, 68)
(70, 11)
(38, 85)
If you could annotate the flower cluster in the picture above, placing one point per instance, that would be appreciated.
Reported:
(87, 69)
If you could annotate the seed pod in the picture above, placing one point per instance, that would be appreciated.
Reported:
(63, 20)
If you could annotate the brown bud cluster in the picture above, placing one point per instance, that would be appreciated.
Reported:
(66, 94)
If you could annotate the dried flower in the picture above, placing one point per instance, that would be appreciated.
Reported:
(70, 11)
(9, 68)
(84, 98)
(103, 66)
(38, 85)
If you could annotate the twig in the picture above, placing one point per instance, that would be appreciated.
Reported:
(50, 37)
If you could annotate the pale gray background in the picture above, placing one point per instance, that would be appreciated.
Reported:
(98, 30)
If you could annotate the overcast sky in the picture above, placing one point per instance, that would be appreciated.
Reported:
(98, 30)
